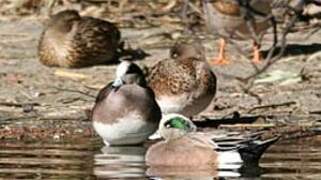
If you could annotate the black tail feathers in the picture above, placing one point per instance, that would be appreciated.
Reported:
(253, 150)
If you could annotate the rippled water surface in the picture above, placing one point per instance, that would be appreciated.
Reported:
(87, 160)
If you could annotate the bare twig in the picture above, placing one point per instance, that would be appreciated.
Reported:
(272, 106)
(18, 104)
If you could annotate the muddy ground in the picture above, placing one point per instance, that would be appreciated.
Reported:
(44, 102)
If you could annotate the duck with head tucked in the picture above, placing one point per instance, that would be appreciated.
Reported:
(72, 41)
(240, 19)
(183, 146)
(183, 83)
(125, 112)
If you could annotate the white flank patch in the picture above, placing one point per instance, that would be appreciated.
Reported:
(127, 130)
(228, 174)
(229, 160)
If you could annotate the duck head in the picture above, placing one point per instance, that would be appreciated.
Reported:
(64, 20)
(174, 126)
(185, 50)
(129, 73)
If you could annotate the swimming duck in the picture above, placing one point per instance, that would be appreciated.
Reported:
(240, 19)
(183, 146)
(125, 112)
(183, 83)
(72, 41)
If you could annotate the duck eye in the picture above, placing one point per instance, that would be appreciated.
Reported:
(168, 124)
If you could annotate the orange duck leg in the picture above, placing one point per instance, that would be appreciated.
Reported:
(221, 59)
(256, 54)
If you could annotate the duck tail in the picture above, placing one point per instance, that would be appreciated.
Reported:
(253, 150)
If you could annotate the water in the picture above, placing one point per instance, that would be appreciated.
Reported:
(87, 160)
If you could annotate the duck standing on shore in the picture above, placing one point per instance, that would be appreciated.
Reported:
(238, 19)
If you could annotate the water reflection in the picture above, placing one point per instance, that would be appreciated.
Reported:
(34, 160)
(120, 162)
(205, 172)
(85, 160)
(297, 160)
(128, 162)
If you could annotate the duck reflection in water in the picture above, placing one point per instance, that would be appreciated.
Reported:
(120, 162)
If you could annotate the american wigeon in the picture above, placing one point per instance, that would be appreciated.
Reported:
(72, 41)
(238, 19)
(125, 111)
(185, 147)
(183, 83)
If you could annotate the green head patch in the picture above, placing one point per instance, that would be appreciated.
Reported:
(178, 123)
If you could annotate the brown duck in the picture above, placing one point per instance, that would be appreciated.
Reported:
(231, 19)
(183, 83)
(72, 41)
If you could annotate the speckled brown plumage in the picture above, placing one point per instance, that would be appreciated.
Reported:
(185, 80)
(72, 41)
(170, 80)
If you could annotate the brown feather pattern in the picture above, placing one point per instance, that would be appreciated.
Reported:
(185, 80)
(89, 41)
